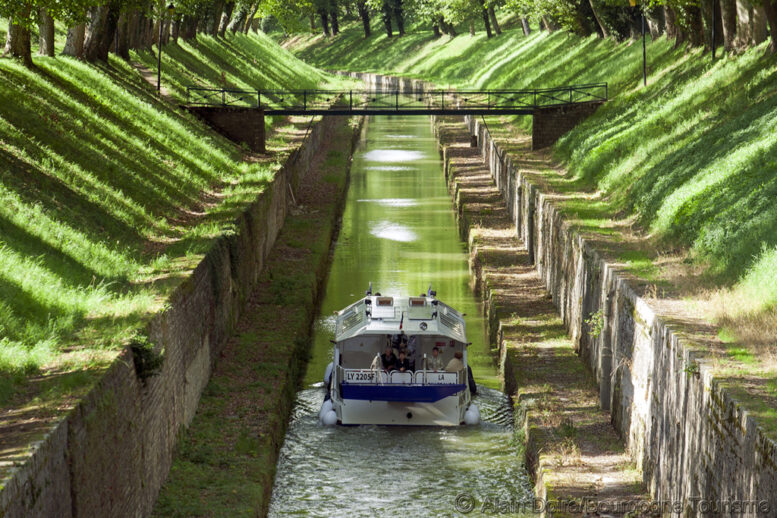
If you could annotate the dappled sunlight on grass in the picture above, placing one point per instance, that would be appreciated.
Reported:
(109, 197)
(673, 183)
(239, 61)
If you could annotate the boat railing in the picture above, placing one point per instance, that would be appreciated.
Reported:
(380, 377)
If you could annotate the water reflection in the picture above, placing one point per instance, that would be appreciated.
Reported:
(393, 232)
(393, 155)
(399, 232)
(395, 471)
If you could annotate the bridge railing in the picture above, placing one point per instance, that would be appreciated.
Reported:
(397, 100)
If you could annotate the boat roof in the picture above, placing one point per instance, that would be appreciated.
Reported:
(382, 315)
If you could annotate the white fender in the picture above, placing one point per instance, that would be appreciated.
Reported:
(330, 418)
(472, 415)
(325, 408)
(328, 373)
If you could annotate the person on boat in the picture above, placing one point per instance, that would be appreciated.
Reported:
(403, 364)
(410, 351)
(389, 360)
(455, 365)
(435, 362)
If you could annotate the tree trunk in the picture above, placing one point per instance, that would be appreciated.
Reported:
(442, 25)
(673, 29)
(149, 34)
(189, 28)
(399, 16)
(728, 10)
(166, 28)
(760, 27)
(175, 30)
(239, 19)
(74, 44)
(214, 20)
(386, 16)
(250, 19)
(486, 21)
(324, 21)
(471, 27)
(333, 20)
(436, 30)
(101, 31)
(525, 26)
(226, 18)
(550, 24)
(744, 30)
(494, 21)
(122, 36)
(46, 33)
(18, 43)
(770, 8)
(602, 28)
(696, 26)
(656, 22)
(364, 14)
(710, 12)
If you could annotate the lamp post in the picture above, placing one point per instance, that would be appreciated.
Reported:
(171, 12)
(644, 47)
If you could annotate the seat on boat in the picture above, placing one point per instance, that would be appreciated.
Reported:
(401, 377)
(357, 359)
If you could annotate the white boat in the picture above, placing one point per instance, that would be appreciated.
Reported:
(365, 387)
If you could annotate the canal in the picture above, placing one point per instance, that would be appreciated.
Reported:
(398, 232)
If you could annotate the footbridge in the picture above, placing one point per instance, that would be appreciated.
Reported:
(238, 113)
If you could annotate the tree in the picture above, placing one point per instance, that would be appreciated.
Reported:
(45, 32)
(728, 10)
(364, 14)
(396, 11)
(492, 17)
(74, 44)
(385, 13)
(770, 7)
(486, 20)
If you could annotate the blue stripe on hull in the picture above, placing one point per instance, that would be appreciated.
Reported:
(407, 393)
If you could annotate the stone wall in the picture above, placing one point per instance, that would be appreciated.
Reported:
(687, 435)
(110, 455)
(551, 122)
(236, 123)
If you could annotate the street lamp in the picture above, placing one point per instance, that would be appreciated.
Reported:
(171, 12)
(644, 50)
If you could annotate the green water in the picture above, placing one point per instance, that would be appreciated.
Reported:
(398, 232)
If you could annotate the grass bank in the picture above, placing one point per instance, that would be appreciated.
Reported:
(674, 181)
(225, 462)
(691, 155)
(110, 196)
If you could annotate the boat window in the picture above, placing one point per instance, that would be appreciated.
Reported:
(385, 301)
(418, 309)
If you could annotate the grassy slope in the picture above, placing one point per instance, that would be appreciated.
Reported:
(691, 158)
(109, 196)
(692, 154)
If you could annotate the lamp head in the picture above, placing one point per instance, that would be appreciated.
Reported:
(171, 9)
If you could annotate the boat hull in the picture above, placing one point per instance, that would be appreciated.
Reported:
(444, 412)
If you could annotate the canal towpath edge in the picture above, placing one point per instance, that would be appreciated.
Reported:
(225, 462)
